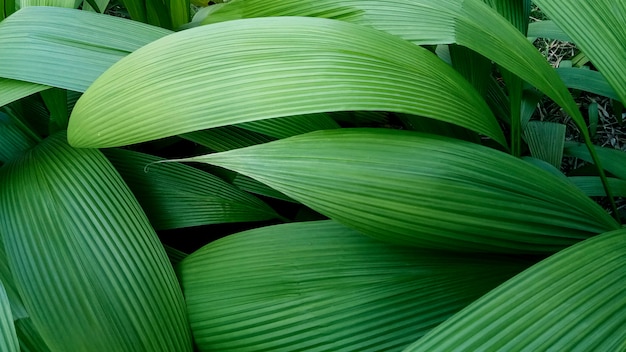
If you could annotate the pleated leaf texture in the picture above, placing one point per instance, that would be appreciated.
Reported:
(572, 301)
(263, 68)
(8, 337)
(423, 190)
(320, 286)
(90, 269)
(176, 195)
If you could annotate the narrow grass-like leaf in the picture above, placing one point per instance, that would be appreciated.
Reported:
(586, 80)
(8, 336)
(90, 269)
(270, 67)
(322, 286)
(613, 160)
(67, 48)
(423, 190)
(12, 90)
(545, 141)
(572, 301)
(175, 195)
(598, 27)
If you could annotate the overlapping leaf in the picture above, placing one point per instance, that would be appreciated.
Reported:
(266, 68)
(67, 48)
(470, 23)
(423, 190)
(176, 195)
(12, 90)
(90, 269)
(598, 28)
(8, 337)
(572, 301)
(322, 286)
(613, 160)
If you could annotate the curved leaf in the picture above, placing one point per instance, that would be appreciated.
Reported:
(572, 301)
(547, 29)
(592, 186)
(175, 195)
(12, 90)
(269, 67)
(322, 286)
(470, 23)
(598, 27)
(67, 48)
(13, 141)
(586, 80)
(90, 269)
(423, 190)
(8, 337)
(291, 125)
(613, 160)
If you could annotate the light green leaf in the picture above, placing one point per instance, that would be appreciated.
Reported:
(545, 141)
(322, 286)
(423, 190)
(69, 4)
(598, 27)
(12, 90)
(8, 337)
(572, 301)
(176, 195)
(67, 48)
(101, 5)
(470, 23)
(269, 67)
(89, 268)
(613, 160)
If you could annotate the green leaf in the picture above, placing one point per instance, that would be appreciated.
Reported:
(175, 255)
(176, 195)
(547, 29)
(29, 337)
(572, 301)
(12, 90)
(586, 80)
(67, 48)
(226, 138)
(98, 5)
(270, 67)
(90, 269)
(598, 27)
(545, 141)
(13, 140)
(56, 103)
(423, 190)
(69, 4)
(592, 186)
(8, 337)
(322, 286)
(470, 23)
(253, 186)
(613, 160)
(291, 125)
